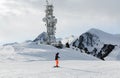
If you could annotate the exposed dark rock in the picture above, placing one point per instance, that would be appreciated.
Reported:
(86, 39)
(67, 45)
(105, 50)
(94, 52)
(58, 45)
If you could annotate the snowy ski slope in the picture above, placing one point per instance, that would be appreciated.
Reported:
(28, 60)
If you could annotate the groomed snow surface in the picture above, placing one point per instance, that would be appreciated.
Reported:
(68, 69)
(28, 60)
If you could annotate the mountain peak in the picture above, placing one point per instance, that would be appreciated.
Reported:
(97, 31)
(41, 38)
(97, 43)
(94, 29)
(100, 33)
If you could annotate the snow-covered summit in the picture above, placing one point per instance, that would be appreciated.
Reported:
(97, 31)
(42, 38)
(106, 37)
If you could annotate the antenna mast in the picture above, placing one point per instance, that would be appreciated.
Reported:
(47, 2)
(50, 21)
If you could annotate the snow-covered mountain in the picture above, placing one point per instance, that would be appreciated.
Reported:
(98, 43)
(42, 38)
(93, 42)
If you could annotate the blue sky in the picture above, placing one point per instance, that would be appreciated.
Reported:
(21, 20)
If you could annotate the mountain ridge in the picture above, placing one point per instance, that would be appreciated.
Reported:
(94, 42)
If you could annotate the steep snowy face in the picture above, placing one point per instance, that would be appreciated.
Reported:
(106, 38)
(42, 38)
(97, 43)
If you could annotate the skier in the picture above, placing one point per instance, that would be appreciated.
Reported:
(56, 59)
